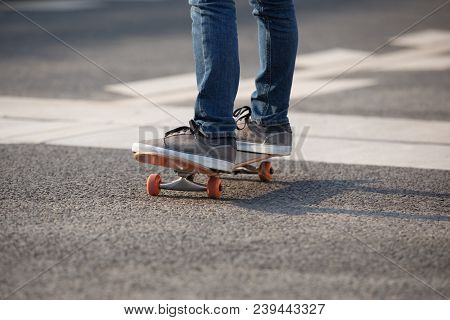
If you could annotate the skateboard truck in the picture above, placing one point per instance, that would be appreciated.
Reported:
(185, 182)
(264, 171)
(247, 169)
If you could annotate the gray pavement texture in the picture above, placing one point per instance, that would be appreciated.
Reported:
(77, 223)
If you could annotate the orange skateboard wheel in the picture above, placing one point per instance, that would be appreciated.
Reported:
(265, 171)
(214, 187)
(153, 184)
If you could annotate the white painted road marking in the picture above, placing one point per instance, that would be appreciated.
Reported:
(331, 138)
(421, 51)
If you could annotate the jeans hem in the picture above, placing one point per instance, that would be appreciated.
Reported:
(215, 130)
(270, 123)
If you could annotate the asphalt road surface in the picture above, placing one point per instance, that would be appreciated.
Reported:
(334, 231)
(76, 221)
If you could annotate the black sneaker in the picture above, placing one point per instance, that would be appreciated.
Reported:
(190, 144)
(251, 137)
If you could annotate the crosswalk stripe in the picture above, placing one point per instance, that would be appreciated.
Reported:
(313, 70)
(331, 138)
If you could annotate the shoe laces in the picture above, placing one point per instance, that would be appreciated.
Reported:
(192, 129)
(242, 113)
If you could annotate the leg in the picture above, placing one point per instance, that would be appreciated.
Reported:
(215, 45)
(209, 141)
(278, 41)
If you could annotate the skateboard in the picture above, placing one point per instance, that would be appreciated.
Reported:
(246, 163)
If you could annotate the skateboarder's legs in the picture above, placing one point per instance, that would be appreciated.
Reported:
(210, 140)
(215, 45)
(214, 34)
(278, 40)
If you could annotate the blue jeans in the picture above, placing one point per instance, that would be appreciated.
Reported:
(215, 46)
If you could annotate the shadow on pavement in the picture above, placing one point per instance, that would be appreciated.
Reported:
(304, 197)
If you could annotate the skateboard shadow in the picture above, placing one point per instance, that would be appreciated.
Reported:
(186, 195)
(306, 197)
(250, 178)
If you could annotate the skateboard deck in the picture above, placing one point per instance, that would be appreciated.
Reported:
(186, 170)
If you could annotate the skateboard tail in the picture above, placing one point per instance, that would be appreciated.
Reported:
(176, 157)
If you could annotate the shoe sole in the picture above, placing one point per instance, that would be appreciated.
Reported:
(263, 148)
(207, 162)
